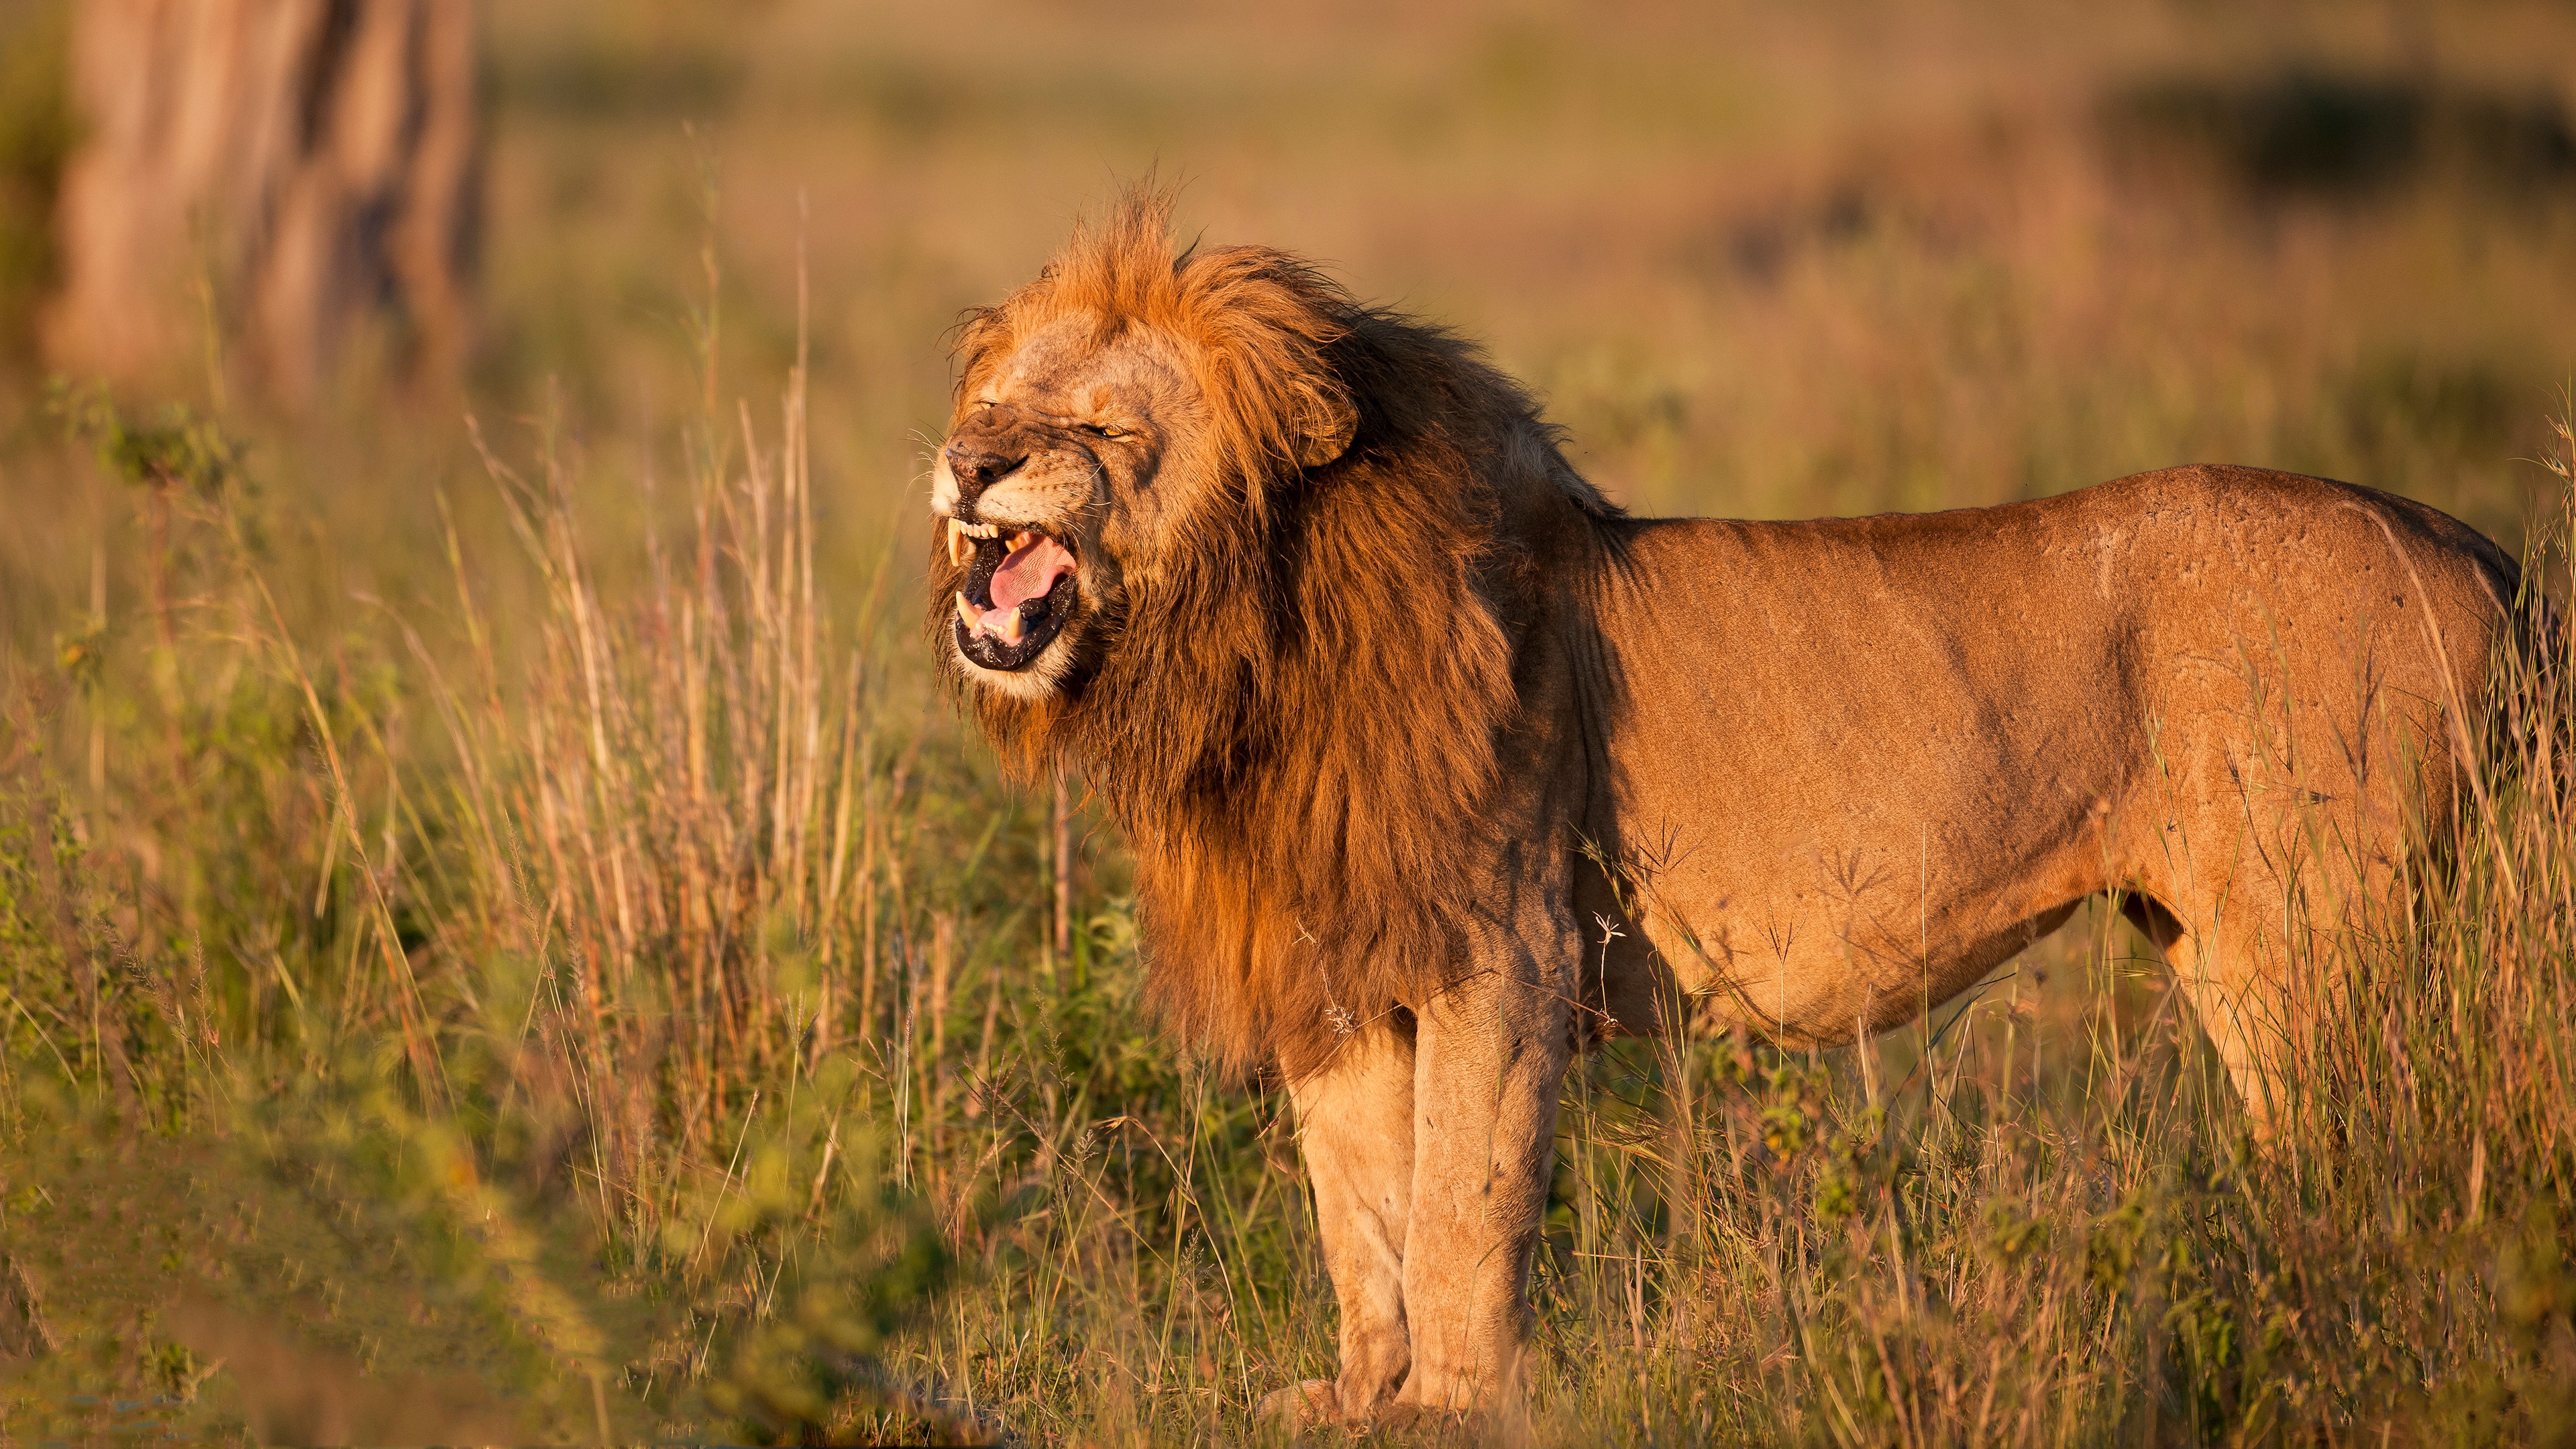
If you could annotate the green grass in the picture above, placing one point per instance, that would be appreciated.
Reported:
(502, 941)
(660, 1035)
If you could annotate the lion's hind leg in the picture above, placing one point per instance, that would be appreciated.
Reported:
(2230, 971)
(2233, 977)
(1355, 1130)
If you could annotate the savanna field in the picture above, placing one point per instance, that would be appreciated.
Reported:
(504, 941)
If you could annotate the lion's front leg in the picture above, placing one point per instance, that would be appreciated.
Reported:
(1491, 1056)
(1355, 1130)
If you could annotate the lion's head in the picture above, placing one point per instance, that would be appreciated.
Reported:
(1235, 546)
(1117, 420)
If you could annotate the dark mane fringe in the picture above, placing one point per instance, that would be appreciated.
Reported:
(1296, 722)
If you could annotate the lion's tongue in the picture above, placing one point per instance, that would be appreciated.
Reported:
(1030, 571)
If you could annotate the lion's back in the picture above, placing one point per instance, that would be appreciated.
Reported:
(2203, 549)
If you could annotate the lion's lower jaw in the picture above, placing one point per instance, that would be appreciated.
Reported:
(1041, 678)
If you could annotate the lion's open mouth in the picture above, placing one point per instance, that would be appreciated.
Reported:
(1015, 600)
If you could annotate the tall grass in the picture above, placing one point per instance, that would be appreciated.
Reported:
(677, 999)
(673, 960)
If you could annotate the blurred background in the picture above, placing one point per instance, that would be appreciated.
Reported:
(505, 873)
(1762, 259)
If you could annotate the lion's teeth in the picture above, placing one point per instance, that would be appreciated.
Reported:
(1010, 630)
(966, 611)
(1019, 541)
(961, 536)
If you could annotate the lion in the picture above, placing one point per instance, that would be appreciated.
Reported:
(1438, 766)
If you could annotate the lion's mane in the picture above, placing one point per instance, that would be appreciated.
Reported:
(1295, 720)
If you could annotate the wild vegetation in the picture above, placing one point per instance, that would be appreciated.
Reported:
(501, 940)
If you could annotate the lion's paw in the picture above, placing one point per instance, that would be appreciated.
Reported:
(1306, 1404)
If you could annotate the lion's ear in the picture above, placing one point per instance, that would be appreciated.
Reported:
(1325, 421)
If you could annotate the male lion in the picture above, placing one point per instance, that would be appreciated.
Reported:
(1393, 705)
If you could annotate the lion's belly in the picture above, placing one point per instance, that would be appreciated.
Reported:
(1848, 911)
(1815, 967)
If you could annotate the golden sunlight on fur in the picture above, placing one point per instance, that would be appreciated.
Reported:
(1436, 765)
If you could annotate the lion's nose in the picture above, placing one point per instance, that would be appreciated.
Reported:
(978, 470)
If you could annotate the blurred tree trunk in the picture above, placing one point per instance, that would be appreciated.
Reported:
(270, 172)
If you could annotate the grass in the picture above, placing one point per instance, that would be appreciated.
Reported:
(654, 1038)
(501, 940)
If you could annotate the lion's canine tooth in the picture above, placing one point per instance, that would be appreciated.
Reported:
(958, 547)
(966, 611)
(1010, 630)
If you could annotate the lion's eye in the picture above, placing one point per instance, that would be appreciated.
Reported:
(1102, 430)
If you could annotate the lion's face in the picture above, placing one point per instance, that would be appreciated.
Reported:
(1046, 498)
